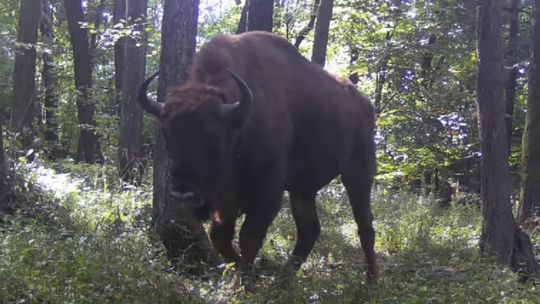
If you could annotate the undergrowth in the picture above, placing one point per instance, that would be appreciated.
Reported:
(93, 244)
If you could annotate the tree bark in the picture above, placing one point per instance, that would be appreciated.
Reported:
(24, 73)
(320, 42)
(260, 15)
(88, 141)
(500, 233)
(427, 63)
(131, 115)
(119, 17)
(309, 27)
(49, 78)
(530, 188)
(242, 24)
(512, 61)
(98, 12)
(182, 234)
(3, 203)
(380, 81)
(353, 76)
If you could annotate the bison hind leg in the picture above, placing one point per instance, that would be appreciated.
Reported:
(308, 227)
(357, 179)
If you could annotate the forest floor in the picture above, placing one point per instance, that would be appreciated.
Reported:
(80, 238)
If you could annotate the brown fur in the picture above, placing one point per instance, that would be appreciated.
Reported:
(304, 128)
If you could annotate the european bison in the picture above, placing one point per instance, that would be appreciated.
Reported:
(294, 127)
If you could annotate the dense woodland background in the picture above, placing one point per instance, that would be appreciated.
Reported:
(84, 215)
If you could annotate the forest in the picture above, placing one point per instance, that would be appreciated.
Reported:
(93, 203)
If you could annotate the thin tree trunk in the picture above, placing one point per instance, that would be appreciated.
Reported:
(380, 77)
(309, 27)
(242, 24)
(133, 68)
(182, 234)
(380, 81)
(49, 78)
(320, 42)
(427, 63)
(353, 76)
(119, 17)
(259, 15)
(500, 233)
(3, 203)
(530, 188)
(88, 141)
(97, 23)
(24, 73)
(512, 60)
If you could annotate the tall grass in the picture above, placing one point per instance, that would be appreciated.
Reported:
(94, 245)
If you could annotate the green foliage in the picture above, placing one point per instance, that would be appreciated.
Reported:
(416, 60)
(86, 249)
(8, 16)
(217, 19)
(40, 263)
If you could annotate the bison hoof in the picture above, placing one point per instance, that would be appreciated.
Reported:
(371, 278)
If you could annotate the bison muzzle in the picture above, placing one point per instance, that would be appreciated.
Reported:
(254, 119)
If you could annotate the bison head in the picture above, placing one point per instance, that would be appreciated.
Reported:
(199, 126)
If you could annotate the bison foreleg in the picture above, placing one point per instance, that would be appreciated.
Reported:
(221, 234)
(253, 233)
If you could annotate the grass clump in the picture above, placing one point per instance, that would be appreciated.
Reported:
(87, 245)
(43, 264)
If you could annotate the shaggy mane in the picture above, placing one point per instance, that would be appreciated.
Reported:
(192, 96)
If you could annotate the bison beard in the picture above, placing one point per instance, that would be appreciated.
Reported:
(254, 119)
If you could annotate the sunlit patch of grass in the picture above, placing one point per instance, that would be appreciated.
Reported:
(44, 264)
(98, 247)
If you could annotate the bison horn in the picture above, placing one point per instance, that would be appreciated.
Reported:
(150, 106)
(239, 110)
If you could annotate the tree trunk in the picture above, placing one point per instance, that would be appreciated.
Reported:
(242, 24)
(3, 203)
(530, 188)
(353, 76)
(511, 61)
(259, 15)
(119, 17)
(132, 68)
(94, 36)
(309, 27)
(49, 79)
(24, 73)
(182, 234)
(88, 147)
(500, 233)
(427, 63)
(380, 81)
(321, 32)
